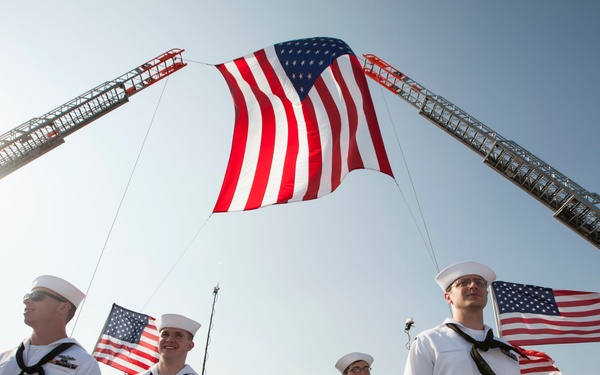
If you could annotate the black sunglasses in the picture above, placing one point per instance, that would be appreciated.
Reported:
(38, 295)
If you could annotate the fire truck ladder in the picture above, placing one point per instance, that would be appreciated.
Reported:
(574, 206)
(41, 134)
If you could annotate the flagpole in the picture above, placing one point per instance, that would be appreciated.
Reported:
(215, 292)
(495, 311)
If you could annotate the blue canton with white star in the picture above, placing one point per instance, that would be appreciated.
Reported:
(518, 298)
(126, 325)
(305, 59)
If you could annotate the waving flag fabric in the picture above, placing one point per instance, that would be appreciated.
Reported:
(539, 363)
(533, 315)
(128, 341)
(304, 119)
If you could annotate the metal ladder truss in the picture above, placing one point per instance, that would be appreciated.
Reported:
(41, 134)
(573, 205)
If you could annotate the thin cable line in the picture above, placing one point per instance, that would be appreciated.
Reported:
(199, 62)
(428, 243)
(176, 262)
(120, 204)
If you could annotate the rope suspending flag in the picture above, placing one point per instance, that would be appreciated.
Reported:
(304, 120)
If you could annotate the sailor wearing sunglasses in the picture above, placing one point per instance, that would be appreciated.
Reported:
(49, 306)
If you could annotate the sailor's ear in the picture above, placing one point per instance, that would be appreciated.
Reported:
(448, 298)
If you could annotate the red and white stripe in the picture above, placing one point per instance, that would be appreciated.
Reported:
(539, 363)
(579, 321)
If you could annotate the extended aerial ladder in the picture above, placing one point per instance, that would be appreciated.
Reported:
(41, 134)
(572, 205)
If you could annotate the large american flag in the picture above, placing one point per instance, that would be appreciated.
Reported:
(533, 315)
(539, 363)
(128, 341)
(304, 119)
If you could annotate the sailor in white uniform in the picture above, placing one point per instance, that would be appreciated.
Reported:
(49, 306)
(463, 345)
(176, 339)
(354, 363)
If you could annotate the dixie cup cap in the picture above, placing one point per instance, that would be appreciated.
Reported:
(448, 275)
(60, 286)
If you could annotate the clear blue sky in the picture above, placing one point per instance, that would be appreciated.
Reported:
(301, 284)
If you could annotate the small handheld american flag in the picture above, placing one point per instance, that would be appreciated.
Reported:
(128, 341)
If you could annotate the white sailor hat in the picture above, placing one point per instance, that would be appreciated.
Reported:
(60, 286)
(177, 321)
(449, 274)
(343, 363)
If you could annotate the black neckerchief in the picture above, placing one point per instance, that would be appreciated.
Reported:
(484, 345)
(38, 366)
